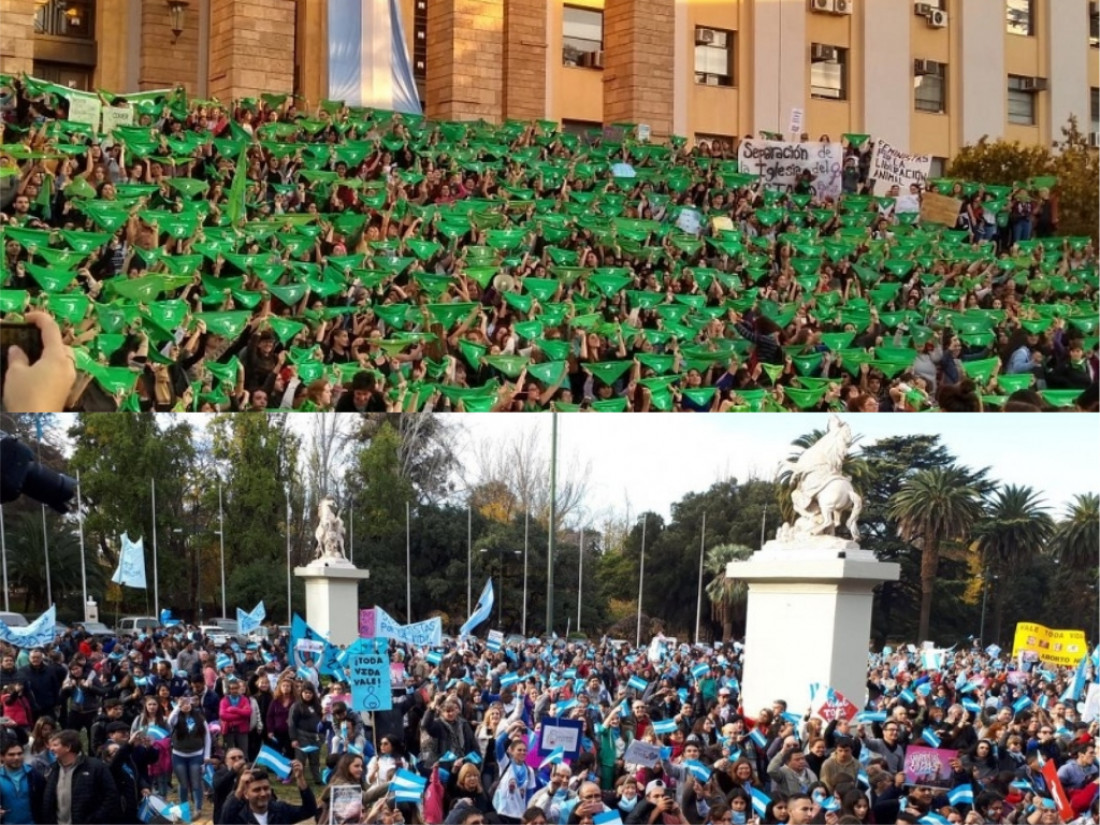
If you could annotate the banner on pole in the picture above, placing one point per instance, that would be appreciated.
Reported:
(131, 564)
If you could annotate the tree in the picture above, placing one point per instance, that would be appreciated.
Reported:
(728, 597)
(1074, 163)
(1077, 536)
(933, 507)
(1016, 527)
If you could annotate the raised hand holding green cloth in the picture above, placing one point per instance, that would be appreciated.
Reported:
(228, 324)
(981, 371)
(608, 371)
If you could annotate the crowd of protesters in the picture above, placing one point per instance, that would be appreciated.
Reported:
(92, 728)
(262, 256)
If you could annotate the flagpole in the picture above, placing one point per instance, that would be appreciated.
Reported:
(580, 580)
(641, 582)
(221, 542)
(83, 571)
(156, 580)
(289, 615)
(550, 529)
(351, 532)
(699, 598)
(469, 558)
(408, 569)
(526, 526)
(4, 558)
(46, 550)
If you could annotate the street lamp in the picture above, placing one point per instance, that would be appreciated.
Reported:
(500, 601)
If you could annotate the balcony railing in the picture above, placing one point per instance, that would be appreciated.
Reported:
(65, 18)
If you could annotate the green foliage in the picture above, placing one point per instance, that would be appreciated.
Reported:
(1074, 163)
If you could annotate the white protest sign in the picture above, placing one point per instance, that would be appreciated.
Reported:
(642, 753)
(797, 116)
(780, 164)
(561, 733)
(115, 116)
(84, 109)
(890, 166)
(496, 639)
(643, 132)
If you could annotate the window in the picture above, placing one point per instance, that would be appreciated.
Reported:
(1018, 17)
(582, 37)
(1021, 101)
(930, 83)
(828, 72)
(1094, 109)
(1094, 25)
(64, 19)
(937, 168)
(420, 42)
(713, 57)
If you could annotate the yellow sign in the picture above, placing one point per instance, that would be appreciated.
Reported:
(1057, 647)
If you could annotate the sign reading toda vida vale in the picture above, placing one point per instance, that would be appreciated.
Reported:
(891, 167)
(368, 668)
(780, 164)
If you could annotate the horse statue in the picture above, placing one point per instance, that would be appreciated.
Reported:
(822, 492)
(330, 531)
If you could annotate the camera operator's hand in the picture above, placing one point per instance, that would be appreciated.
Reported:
(43, 386)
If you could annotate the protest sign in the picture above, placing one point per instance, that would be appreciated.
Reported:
(495, 640)
(422, 634)
(561, 733)
(1056, 647)
(941, 209)
(84, 109)
(930, 767)
(114, 116)
(1057, 791)
(397, 674)
(890, 166)
(368, 669)
(345, 804)
(642, 753)
(317, 653)
(829, 704)
(38, 633)
(366, 623)
(797, 118)
(780, 164)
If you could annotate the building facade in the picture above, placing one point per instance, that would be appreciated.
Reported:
(926, 76)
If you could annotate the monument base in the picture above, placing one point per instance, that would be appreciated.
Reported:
(332, 598)
(808, 620)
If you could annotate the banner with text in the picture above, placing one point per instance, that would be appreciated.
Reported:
(890, 166)
(1057, 647)
(375, 621)
(780, 164)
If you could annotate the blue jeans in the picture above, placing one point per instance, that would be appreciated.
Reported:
(1021, 231)
(188, 770)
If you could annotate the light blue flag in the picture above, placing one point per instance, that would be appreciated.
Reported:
(611, 817)
(758, 738)
(933, 818)
(156, 733)
(131, 564)
(637, 683)
(961, 795)
(664, 727)
(248, 622)
(930, 737)
(972, 706)
(700, 671)
(38, 633)
(699, 770)
(1022, 704)
(553, 758)
(760, 801)
(434, 657)
(275, 761)
(1077, 683)
(482, 609)
(407, 786)
(177, 812)
(907, 696)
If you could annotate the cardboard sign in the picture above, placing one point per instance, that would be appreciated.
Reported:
(780, 164)
(941, 209)
(366, 623)
(891, 167)
(929, 767)
(642, 753)
(368, 669)
(84, 109)
(1056, 647)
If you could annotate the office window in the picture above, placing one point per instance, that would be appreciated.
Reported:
(713, 56)
(828, 72)
(937, 168)
(1094, 25)
(1021, 101)
(1094, 109)
(1019, 18)
(582, 37)
(930, 83)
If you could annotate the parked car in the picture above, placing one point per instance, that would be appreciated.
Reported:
(136, 625)
(222, 631)
(97, 629)
(13, 619)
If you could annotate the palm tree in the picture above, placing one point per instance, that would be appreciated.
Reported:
(1077, 536)
(1016, 525)
(728, 597)
(932, 507)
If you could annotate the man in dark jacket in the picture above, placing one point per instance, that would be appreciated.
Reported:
(42, 683)
(79, 789)
(225, 780)
(253, 796)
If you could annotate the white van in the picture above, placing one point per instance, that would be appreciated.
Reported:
(136, 625)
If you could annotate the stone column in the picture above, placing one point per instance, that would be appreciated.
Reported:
(251, 48)
(524, 59)
(332, 598)
(465, 60)
(638, 63)
(17, 36)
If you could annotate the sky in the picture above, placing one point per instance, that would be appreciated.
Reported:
(652, 461)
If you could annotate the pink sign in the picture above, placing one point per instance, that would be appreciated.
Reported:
(366, 623)
(929, 766)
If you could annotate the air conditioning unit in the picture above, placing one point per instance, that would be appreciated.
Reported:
(827, 6)
(821, 52)
(937, 19)
(712, 80)
(1094, 138)
(925, 67)
(922, 9)
(1033, 84)
(705, 37)
(597, 59)
(844, 6)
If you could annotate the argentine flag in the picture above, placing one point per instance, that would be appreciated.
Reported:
(484, 604)
(760, 801)
(368, 60)
(637, 683)
(928, 736)
(248, 622)
(275, 761)
(961, 795)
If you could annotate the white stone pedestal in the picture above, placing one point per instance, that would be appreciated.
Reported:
(332, 598)
(809, 620)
